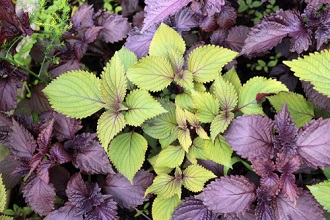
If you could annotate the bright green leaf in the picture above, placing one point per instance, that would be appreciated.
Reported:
(162, 209)
(159, 170)
(141, 106)
(185, 101)
(180, 116)
(300, 109)
(196, 151)
(321, 192)
(225, 93)
(127, 153)
(151, 73)
(206, 62)
(184, 138)
(326, 172)
(199, 87)
(313, 68)
(195, 176)
(184, 79)
(232, 77)
(257, 85)
(76, 94)
(219, 151)
(165, 186)
(193, 121)
(3, 195)
(172, 137)
(127, 57)
(171, 156)
(207, 106)
(109, 124)
(166, 39)
(220, 123)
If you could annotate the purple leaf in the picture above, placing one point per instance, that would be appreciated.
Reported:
(212, 166)
(219, 36)
(251, 136)
(8, 4)
(104, 211)
(184, 20)
(192, 208)
(157, 11)
(39, 195)
(214, 6)
(272, 29)
(91, 34)
(287, 164)
(317, 98)
(65, 127)
(80, 141)
(139, 42)
(126, 194)
(230, 194)
(227, 17)
(322, 33)
(58, 154)
(129, 7)
(35, 161)
(236, 37)
(7, 167)
(306, 207)
(289, 187)
(263, 209)
(45, 136)
(65, 66)
(8, 93)
(248, 215)
(21, 142)
(271, 182)
(83, 18)
(115, 27)
(313, 143)
(263, 167)
(92, 159)
(59, 183)
(66, 212)
(138, 20)
(39, 102)
(43, 170)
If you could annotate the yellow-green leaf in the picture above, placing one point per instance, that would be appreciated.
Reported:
(76, 94)
(321, 192)
(257, 85)
(195, 176)
(185, 101)
(141, 106)
(109, 124)
(232, 77)
(219, 151)
(177, 61)
(184, 79)
(151, 73)
(172, 137)
(207, 106)
(127, 153)
(127, 57)
(220, 123)
(196, 151)
(165, 186)
(113, 84)
(180, 116)
(193, 121)
(171, 156)
(225, 92)
(206, 62)
(157, 169)
(166, 39)
(184, 138)
(162, 209)
(3, 195)
(4, 217)
(300, 109)
(313, 68)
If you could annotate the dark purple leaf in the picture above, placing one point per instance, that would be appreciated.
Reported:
(236, 37)
(39, 102)
(313, 143)
(126, 194)
(65, 66)
(230, 194)
(248, 215)
(35, 161)
(184, 20)
(115, 27)
(8, 4)
(139, 42)
(212, 166)
(208, 23)
(105, 211)
(214, 6)
(59, 177)
(317, 98)
(283, 74)
(192, 208)
(21, 143)
(43, 170)
(8, 93)
(7, 167)
(79, 48)
(65, 127)
(58, 154)
(272, 29)
(66, 212)
(39, 195)
(227, 17)
(251, 136)
(271, 182)
(83, 18)
(306, 207)
(289, 187)
(322, 33)
(45, 136)
(138, 20)
(287, 163)
(263, 167)
(263, 209)
(91, 34)
(80, 141)
(129, 6)
(218, 37)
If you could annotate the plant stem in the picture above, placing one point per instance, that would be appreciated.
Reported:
(144, 215)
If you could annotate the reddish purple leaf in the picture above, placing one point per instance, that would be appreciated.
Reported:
(317, 98)
(8, 4)
(65, 66)
(288, 164)
(126, 194)
(271, 182)
(192, 208)
(7, 168)
(59, 183)
(212, 166)
(35, 161)
(236, 37)
(322, 33)
(64, 127)
(184, 20)
(251, 136)
(91, 34)
(227, 17)
(263, 209)
(39, 195)
(8, 93)
(230, 194)
(45, 136)
(58, 154)
(80, 141)
(263, 167)
(306, 207)
(313, 143)
(105, 211)
(66, 212)
(129, 7)
(83, 18)
(139, 42)
(289, 187)
(43, 170)
(39, 102)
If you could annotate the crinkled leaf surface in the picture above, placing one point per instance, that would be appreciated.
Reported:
(151, 73)
(247, 101)
(313, 68)
(232, 77)
(230, 194)
(3, 195)
(171, 156)
(8, 93)
(220, 123)
(219, 151)
(162, 208)
(66, 212)
(127, 58)
(206, 62)
(321, 192)
(139, 42)
(195, 176)
(184, 138)
(184, 79)
(207, 106)
(127, 152)
(83, 17)
(225, 92)
(64, 127)
(76, 94)
(251, 136)
(141, 106)
(165, 186)
(107, 210)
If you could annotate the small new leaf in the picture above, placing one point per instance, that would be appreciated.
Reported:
(321, 193)
(184, 138)
(225, 92)
(162, 208)
(232, 77)
(195, 176)
(220, 123)
(171, 156)
(165, 186)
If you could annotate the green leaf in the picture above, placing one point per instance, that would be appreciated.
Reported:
(220, 123)
(3, 195)
(206, 62)
(127, 57)
(141, 106)
(326, 172)
(232, 77)
(184, 79)
(127, 153)
(225, 93)
(180, 116)
(109, 124)
(207, 106)
(176, 59)
(76, 94)
(151, 73)
(199, 87)
(185, 101)
(159, 170)
(165, 186)
(300, 109)
(161, 126)
(3, 217)
(162, 209)
(184, 138)
(195, 176)
(172, 137)
(193, 121)
(313, 68)
(321, 192)
(219, 151)
(171, 156)
(257, 85)
(196, 151)
(164, 40)
(113, 84)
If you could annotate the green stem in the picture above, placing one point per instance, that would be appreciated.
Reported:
(24, 68)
